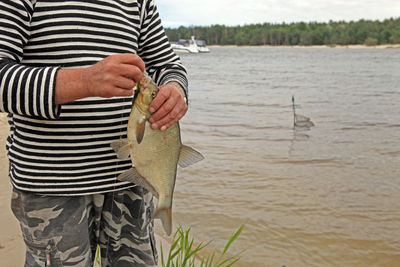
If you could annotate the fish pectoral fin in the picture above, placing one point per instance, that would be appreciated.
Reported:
(189, 156)
(140, 130)
(133, 176)
(122, 148)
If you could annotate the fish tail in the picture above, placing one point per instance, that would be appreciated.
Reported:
(165, 215)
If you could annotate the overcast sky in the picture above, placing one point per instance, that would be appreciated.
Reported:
(175, 13)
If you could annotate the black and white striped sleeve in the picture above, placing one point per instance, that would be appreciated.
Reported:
(24, 90)
(154, 48)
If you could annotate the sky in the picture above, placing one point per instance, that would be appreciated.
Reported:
(175, 13)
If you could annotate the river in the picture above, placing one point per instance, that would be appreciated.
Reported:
(321, 196)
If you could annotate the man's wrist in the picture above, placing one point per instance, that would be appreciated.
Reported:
(179, 87)
(71, 84)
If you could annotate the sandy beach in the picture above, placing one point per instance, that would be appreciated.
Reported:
(12, 249)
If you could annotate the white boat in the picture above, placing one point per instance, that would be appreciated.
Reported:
(201, 46)
(180, 48)
(185, 46)
(190, 46)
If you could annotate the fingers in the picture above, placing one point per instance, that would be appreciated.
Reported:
(127, 76)
(131, 59)
(169, 107)
(123, 92)
(170, 120)
(127, 66)
(115, 75)
(162, 96)
(124, 83)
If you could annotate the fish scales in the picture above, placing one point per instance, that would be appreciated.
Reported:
(155, 154)
(156, 157)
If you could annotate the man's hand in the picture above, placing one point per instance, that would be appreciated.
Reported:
(115, 75)
(168, 107)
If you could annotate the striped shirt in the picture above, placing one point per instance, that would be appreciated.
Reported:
(65, 149)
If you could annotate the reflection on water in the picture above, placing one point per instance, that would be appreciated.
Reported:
(324, 196)
(298, 136)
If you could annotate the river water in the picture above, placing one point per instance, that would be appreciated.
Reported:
(321, 196)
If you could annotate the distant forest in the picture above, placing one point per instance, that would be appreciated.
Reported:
(364, 32)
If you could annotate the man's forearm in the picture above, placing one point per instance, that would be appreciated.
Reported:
(70, 86)
(115, 75)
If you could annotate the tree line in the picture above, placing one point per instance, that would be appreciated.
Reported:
(365, 32)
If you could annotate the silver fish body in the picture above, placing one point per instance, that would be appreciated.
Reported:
(155, 154)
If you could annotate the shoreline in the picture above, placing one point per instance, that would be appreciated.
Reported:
(393, 46)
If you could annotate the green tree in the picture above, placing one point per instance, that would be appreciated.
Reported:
(371, 41)
(301, 33)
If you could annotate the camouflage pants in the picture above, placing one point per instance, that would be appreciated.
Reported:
(65, 231)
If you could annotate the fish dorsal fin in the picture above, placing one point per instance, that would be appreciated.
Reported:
(189, 156)
(133, 176)
(122, 148)
(141, 125)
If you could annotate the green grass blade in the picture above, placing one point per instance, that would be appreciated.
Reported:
(182, 251)
(175, 254)
(211, 260)
(224, 261)
(187, 236)
(192, 254)
(233, 262)
(232, 239)
(162, 256)
(174, 246)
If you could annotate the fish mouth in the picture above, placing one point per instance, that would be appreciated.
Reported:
(147, 83)
(144, 83)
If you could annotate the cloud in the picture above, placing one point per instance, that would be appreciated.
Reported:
(232, 12)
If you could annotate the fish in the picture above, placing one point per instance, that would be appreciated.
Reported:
(155, 154)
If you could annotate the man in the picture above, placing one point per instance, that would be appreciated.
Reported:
(67, 73)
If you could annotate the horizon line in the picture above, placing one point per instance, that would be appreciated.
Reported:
(280, 23)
